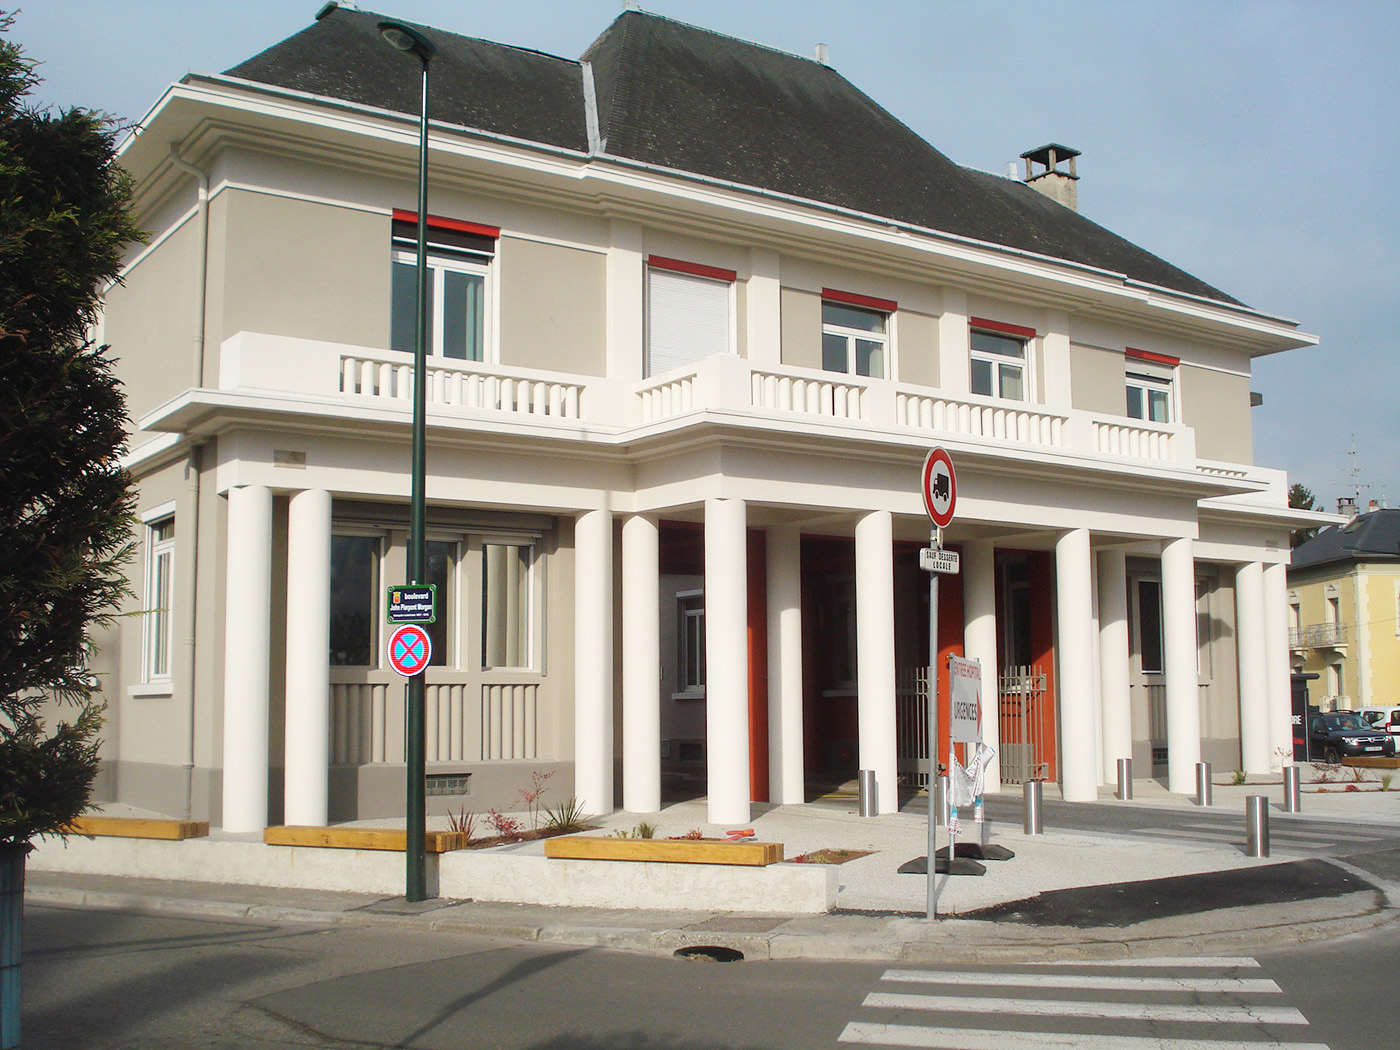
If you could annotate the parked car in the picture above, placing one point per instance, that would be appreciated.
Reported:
(1345, 734)
(1386, 719)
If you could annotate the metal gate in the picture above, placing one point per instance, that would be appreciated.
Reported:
(1021, 696)
(911, 724)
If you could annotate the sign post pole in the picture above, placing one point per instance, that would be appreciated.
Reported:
(931, 910)
(939, 485)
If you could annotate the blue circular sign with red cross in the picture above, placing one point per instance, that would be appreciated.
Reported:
(410, 649)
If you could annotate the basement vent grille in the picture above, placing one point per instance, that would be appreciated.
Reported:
(449, 784)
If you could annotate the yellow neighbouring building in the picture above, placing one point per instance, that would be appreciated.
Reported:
(1344, 599)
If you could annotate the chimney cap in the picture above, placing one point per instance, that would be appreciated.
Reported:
(1042, 154)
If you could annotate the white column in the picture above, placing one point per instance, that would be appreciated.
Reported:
(1251, 632)
(786, 772)
(763, 306)
(247, 657)
(641, 664)
(593, 661)
(875, 678)
(726, 661)
(626, 294)
(1179, 663)
(1113, 662)
(1074, 655)
(954, 372)
(980, 641)
(1277, 666)
(308, 735)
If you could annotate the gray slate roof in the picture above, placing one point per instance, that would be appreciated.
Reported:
(688, 99)
(1373, 536)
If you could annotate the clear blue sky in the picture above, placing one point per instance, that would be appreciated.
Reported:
(1251, 142)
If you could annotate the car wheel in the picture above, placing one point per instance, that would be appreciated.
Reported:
(1332, 755)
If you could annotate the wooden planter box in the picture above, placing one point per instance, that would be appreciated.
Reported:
(139, 828)
(665, 851)
(361, 838)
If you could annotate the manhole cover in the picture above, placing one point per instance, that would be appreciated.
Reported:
(736, 924)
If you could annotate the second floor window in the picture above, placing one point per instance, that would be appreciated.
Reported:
(1150, 385)
(998, 365)
(459, 262)
(689, 313)
(855, 336)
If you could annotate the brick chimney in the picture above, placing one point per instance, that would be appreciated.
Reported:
(1043, 172)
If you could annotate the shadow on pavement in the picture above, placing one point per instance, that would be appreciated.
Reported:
(1129, 903)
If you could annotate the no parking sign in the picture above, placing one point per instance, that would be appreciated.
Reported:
(410, 649)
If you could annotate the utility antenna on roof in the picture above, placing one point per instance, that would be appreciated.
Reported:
(1355, 473)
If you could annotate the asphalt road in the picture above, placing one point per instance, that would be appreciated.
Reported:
(97, 980)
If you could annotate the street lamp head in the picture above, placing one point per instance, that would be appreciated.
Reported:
(405, 38)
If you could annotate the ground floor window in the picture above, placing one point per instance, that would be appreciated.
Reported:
(489, 582)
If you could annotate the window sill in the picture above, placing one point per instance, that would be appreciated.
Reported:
(150, 691)
(698, 694)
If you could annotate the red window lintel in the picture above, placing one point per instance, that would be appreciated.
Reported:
(869, 302)
(439, 222)
(1156, 359)
(715, 273)
(1020, 331)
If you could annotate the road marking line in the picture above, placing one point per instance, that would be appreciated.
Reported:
(975, 1039)
(1233, 837)
(1072, 1008)
(1291, 833)
(1245, 985)
(1157, 961)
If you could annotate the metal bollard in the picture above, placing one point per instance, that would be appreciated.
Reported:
(1256, 822)
(1292, 790)
(1204, 789)
(1034, 793)
(869, 800)
(940, 801)
(1125, 779)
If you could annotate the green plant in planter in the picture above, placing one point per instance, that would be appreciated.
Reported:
(1238, 777)
(566, 817)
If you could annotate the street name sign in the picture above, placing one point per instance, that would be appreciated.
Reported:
(412, 604)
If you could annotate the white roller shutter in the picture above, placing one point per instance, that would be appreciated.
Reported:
(687, 319)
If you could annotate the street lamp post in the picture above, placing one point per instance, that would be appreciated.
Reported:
(405, 38)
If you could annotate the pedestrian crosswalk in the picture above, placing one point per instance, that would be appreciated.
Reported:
(1209, 1003)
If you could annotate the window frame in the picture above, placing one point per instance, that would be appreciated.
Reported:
(700, 278)
(453, 246)
(1149, 372)
(158, 623)
(690, 612)
(529, 589)
(884, 308)
(1011, 333)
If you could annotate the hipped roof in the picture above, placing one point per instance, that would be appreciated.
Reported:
(679, 97)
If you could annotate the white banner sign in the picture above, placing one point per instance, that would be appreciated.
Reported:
(965, 689)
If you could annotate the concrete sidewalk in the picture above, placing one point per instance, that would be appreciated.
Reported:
(879, 912)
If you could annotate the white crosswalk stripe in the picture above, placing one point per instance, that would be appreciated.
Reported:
(1078, 1008)
(1246, 985)
(971, 1039)
(1168, 1004)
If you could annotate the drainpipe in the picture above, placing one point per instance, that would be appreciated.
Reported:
(187, 589)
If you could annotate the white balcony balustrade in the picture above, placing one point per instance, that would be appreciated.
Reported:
(723, 384)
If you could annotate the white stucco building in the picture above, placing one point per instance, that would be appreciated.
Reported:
(700, 310)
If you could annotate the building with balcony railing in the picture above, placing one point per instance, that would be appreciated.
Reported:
(1344, 597)
(693, 335)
